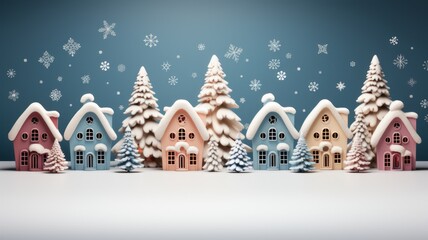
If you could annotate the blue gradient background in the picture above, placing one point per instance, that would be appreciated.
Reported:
(353, 30)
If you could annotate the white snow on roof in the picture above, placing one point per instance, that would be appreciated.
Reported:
(262, 147)
(282, 146)
(325, 144)
(192, 149)
(407, 153)
(170, 148)
(107, 110)
(336, 149)
(314, 148)
(268, 97)
(411, 115)
(101, 147)
(38, 149)
(79, 148)
(178, 145)
(395, 111)
(397, 148)
(325, 104)
(87, 98)
(291, 110)
(46, 115)
(186, 106)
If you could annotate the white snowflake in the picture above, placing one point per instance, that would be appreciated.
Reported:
(352, 64)
(393, 40)
(85, 79)
(166, 66)
(426, 118)
(121, 68)
(340, 86)
(411, 82)
(105, 66)
(55, 95)
(425, 65)
(313, 86)
(107, 29)
(281, 75)
(194, 75)
(46, 59)
(233, 52)
(274, 64)
(400, 62)
(288, 55)
(121, 107)
(255, 85)
(424, 103)
(71, 47)
(274, 45)
(59, 78)
(242, 100)
(173, 80)
(11, 73)
(201, 46)
(13, 95)
(151, 40)
(322, 48)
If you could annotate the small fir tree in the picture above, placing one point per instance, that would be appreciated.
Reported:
(212, 161)
(356, 160)
(301, 161)
(128, 156)
(55, 162)
(359, 129)
(238, 158)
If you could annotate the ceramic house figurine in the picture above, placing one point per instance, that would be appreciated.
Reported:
(182, 134)
(395, 139)
(272, 133)
(326, 132)
(33, 135)
(90, 135)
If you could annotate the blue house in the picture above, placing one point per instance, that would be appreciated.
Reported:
(91, 136)
(272, 133)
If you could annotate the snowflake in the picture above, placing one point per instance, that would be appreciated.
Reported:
(59, 78)
(46, 59)
(201, 46)
(11, 73)
(426, 118)
(85, 79)
(411, 82)
(55, 95)
(352, 64)
(151, 40)
(71, 47)
(255, 85)
(288, 55)
(13, 95)
(165, 66)
(393, 40)
(274, 64)
(121, 107)
(313, 86)
(424, 103)
(233, 52)
(274, 45)
(281, 75)
(121, 68)
(400, 62)
(322, 48)
(194, 75)
(425, 65)
(172, 80)
(340, 86)
(242, 100)
(107, 29)
(105, 66)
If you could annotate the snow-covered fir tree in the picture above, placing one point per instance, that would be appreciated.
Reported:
(356, 158)
(222, 123)
(212, 162)
(301, 160)
(359, 129)
(128, 156)
(143, 118)
(238, 158)
(55, 161)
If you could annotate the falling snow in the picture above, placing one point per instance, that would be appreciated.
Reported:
(352, 64)
(255, 85)
(424, 103)
(46, 59)
(242, 100)
(426, 118)
(274, 45)
(105, 66)
(166, 66)
(412, 82)
(322, 48)
(13, 95)
(59, 78)
(313, 86)
(11, 73)
(107, 29)
(55, 95)
(233, 52)
(281, 75)
(173, 80)
(425, 65)
(393, 40)
(201, 46)
(274, 64)
(121, 107)
(151, 40)
(71, 47)
(85, 79)
(400, 62)
(340, 86)
(288, 55)
(194, 75)
(121, 68)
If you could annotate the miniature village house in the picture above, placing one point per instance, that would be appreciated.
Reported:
(33, 135)
(182, 134)
(395, 139)
(326, 132)
(272, 133)
(91, 136)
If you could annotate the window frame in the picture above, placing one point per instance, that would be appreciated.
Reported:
(396, 138)
(192, 159)
(170, 157)
(337, 158)
(316, 135)
(89, 134)
(272, 120)
(45, 136)
(316, 156)
(79, 156)
(387, 159)
(407, 159)
(272, 134)
(22, 136)
(283, 157)
(172, 136)
(262, 155)
(101, 157)
(89, 120)
(325, 134)
(264, 134)
(181, 134)
(99, 133)
(325, 118)
(34, 135)
(24, 157)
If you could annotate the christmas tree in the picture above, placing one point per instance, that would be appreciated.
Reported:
(238, 159)
(301, 161)
(356, 158)
(221, 122)
(128, 156)
(56, 160)
(143, 118)
(359, 129)
(212, 161)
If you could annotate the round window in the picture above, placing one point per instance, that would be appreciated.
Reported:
(272, 120)
(191, 135)
(405, 139)
(79, 135)
(35, 120)
(263, 135)
(99, 136)
(316, 135)
(24, 136)
(397, 125)
(335, 135)
(281, 135)
(89, 120)
(325, 118)
(181, 119)
(172, 136)
(388, 139)
(44, 136)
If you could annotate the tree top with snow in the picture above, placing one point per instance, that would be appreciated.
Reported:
(142, 71)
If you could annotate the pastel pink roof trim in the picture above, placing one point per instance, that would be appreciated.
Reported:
(46, 115)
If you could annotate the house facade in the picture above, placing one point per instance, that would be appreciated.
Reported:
(395, 139)
(33, 135)
(182, 134)
(326, 132)
(272, 133)
(91, 136)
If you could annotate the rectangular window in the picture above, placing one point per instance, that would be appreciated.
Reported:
(79, 157)
(283, 157)
(397, 138)
(316, 156)
(406, 159)
(192, 159)
(24, 158)
(387, 159)
(89, 134)
(181, 134)
(101, 157)
(45, 157)
(337, 158)
(34, 135)
(325, 134)
(171, 157)
(262, 157)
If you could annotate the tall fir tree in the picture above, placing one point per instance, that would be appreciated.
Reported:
(359, 129)
(222, 123)
(356, 160)
(128, 156)
(212, 162)
(143, 118)
(55, 161)
(238, 158)
(301, 160)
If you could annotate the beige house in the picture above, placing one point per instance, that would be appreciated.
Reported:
(326, 132)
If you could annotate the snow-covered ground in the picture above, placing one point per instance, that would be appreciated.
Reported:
(154, 204)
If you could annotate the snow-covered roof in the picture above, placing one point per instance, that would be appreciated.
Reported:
(38, 148)
(186, 106)
(46, 115)
(325, 104)
(101, 147)
(269, 107)
(397, 148)
(282, 146)
(87, 98)
(192, 149)
(395, 111)
(336, 149)
(262, 147)
(79, 148)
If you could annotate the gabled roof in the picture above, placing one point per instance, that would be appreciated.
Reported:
(395, 111)
(46, 115)
(325, 104)
(186, 106)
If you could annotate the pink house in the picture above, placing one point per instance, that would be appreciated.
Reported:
(395, 139)
(182, 134)
(33, 135)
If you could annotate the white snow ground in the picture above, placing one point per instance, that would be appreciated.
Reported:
(155, 204)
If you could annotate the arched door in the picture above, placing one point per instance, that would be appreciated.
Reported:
(90, 160)
(396, 161)
(272, 160)
(181, 161)
(34, 161)
(326, 161)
